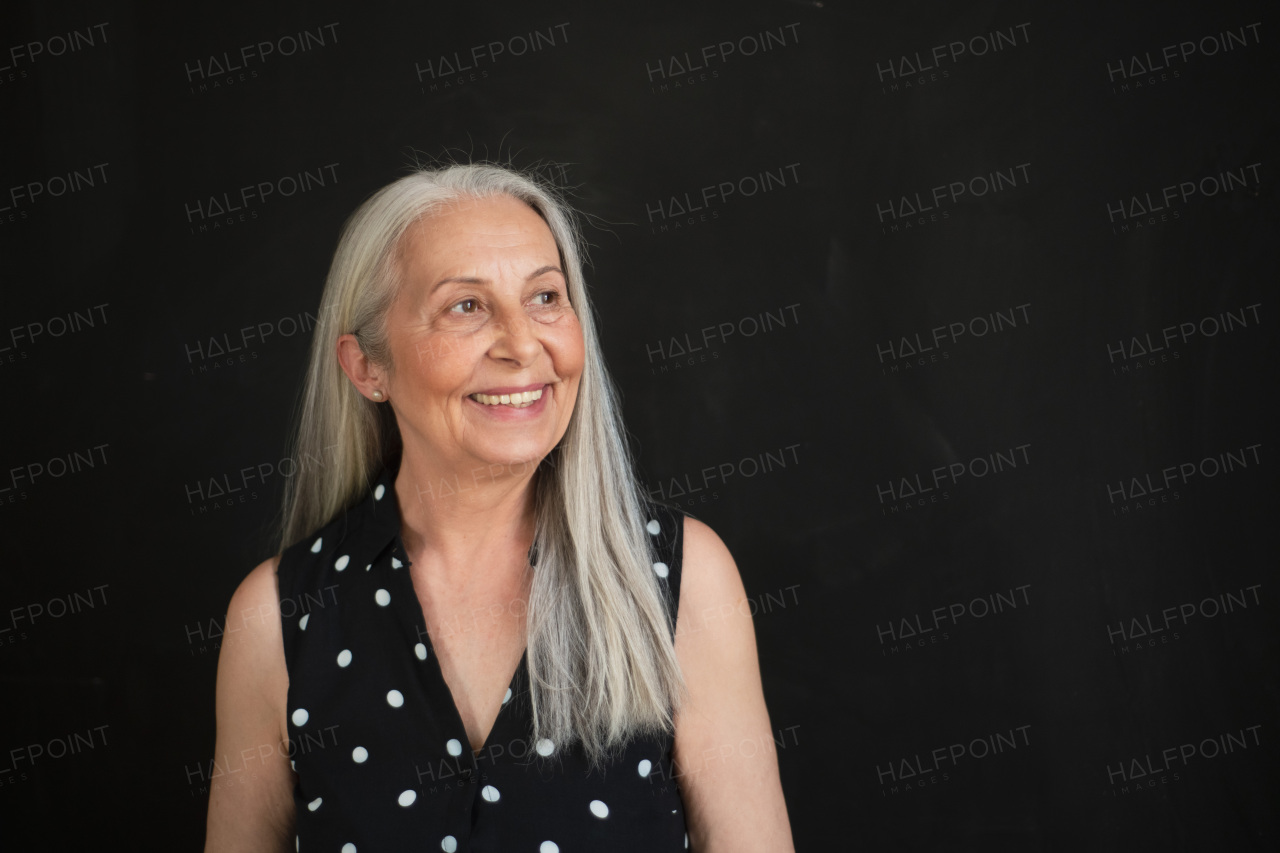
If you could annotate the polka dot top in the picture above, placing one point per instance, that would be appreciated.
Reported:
(381, 757)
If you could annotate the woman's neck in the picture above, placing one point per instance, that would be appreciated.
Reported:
(455, 522)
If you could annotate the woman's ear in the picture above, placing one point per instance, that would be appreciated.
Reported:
(367, 377)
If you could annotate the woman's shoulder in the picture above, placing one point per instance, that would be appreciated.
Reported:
(696, 564)
(300, 564)
(711, 579)
(703, 541)
(250, 656)
(670, 524)
(257, 590)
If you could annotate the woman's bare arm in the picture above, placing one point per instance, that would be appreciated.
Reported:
(251, 791)
(726, 762)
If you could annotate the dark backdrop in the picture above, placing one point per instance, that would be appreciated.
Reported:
(953, 319)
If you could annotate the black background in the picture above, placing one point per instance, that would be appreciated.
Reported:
(806, 424)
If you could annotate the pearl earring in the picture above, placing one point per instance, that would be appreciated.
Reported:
(377, 395)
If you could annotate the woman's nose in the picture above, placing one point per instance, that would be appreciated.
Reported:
(516, 339)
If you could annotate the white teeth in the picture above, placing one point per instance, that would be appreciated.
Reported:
(516, 401)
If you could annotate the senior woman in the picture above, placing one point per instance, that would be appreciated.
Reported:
(481, 634)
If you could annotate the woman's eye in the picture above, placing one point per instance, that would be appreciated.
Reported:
(468, 306)
(547, 297)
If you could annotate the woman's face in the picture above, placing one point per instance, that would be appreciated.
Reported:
(483, 317)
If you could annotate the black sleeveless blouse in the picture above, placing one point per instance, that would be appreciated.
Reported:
(381, 757)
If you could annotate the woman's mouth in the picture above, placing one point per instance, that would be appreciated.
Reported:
(520, 400)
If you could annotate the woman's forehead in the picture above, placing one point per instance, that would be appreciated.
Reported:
(493, 225)
(477, 238)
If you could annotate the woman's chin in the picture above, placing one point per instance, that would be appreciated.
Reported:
(511, 461)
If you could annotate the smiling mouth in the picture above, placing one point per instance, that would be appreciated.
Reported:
(515, 401)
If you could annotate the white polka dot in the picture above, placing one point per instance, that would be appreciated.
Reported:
(490, 794)
(448, 844)
(644, 767)
(382, 597)
(379, 492)
(315, 546)
(297, 842)
(454, 746)
(359, 755)
(395, 563)
(653, 527)
(395, 698)
(348, 848)
(421, 651)
(368, 567)
(294, 765)
(506, 697)
(407, 798)
(314, 804)
(599, 809)
(686, 841)
(343, 562)
(302, 623)
(344, 658)
(300, 717)
(545, 747)
(660, 569)
(548, 847)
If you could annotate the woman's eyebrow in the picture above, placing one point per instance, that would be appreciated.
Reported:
(540, 271)
(465, 279)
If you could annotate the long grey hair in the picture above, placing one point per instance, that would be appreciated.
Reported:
(601, 657)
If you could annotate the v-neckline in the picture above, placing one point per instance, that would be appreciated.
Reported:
(433, 662)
